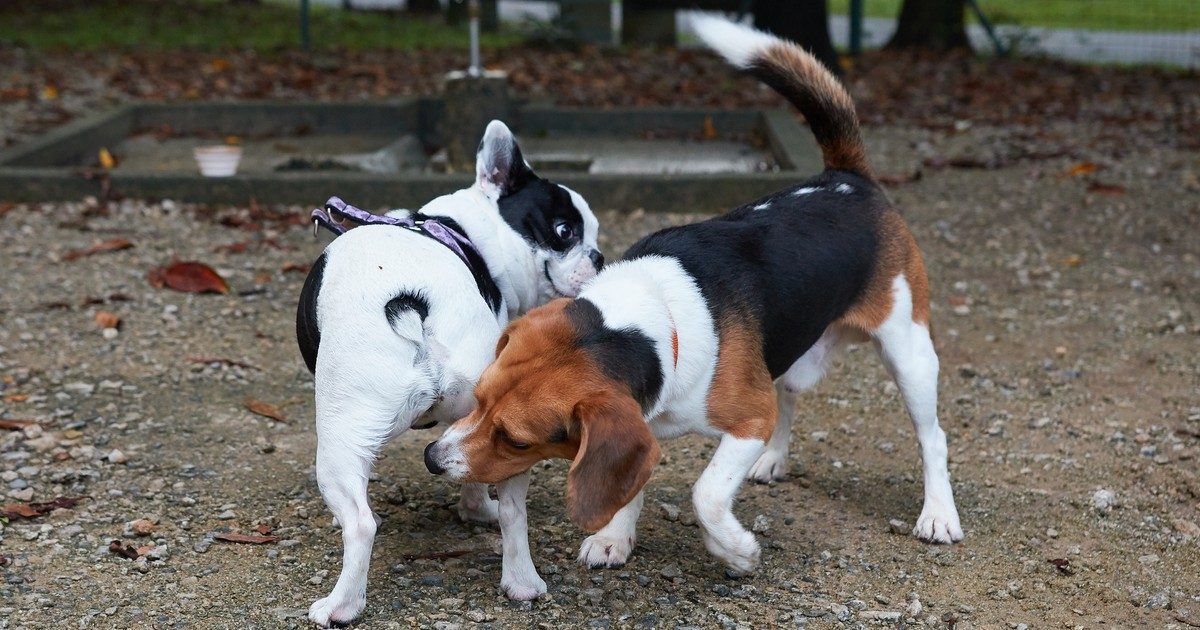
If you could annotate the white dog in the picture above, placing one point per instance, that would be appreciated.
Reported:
(396, 327)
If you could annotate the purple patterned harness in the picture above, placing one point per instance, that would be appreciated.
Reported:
(332, 217)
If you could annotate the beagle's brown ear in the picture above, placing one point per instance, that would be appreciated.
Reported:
(503, 341)
(616, 454)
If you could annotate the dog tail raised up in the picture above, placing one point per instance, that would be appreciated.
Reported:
(801, 79)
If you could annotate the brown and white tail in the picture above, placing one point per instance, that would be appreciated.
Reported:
(801, 79)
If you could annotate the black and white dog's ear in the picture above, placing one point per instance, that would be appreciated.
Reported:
(500, 169)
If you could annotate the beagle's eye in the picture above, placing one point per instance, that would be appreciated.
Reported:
(520, 446)
(564, 230)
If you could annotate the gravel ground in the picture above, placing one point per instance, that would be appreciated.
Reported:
(1068, 327)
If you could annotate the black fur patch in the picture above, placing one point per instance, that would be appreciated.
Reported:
(626, 355)
(479, 269)
(403, 302)
(533, 207)
(308, 335)
(790, 268)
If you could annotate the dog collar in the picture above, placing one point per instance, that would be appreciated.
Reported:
(441, 229)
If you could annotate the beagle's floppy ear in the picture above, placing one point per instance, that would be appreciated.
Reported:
(616, 454)
(500, 169)
(500, 343)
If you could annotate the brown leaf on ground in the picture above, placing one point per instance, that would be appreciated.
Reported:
(1074, 260)
(111, 245)
(142, 527)
(1063, 565)
(1082, 168)
(1106, 189)
(14, 424)
(125, 551)
(895, 179)
(265, 409)
(223, 361)
(34, 510)
(189, 277)
(709, 130)
(263, 529)
(249, 539)
(105, 319)
(6, 206)
(294, 267)
(11, 398)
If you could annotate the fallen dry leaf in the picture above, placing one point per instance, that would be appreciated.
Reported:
(294, 267)
(265, 409)
(142, 527)
(1082, 168)
(263, 529)
(189, 277)
(6, 207)
(111, 245)
(1063, 565)
(709, 130)
(1074, 260)
(34, 510)
(249, 539)
(105, 319)
(12, 424)
(106, 158)
(893, 179)
(125, 551)
(16, 398)
(49, 93)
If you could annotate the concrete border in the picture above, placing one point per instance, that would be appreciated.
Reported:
(46, 169)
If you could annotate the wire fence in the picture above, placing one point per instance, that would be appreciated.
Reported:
(1158, 32)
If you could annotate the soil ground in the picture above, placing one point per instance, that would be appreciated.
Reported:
(1067, 325)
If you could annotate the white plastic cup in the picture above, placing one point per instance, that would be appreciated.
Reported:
(217, 160)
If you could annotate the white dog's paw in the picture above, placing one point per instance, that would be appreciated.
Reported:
(485, 511)
(938, 525)
(601, 551)
(328, 612)
(523, 589)
(771, 466)
(739, 551)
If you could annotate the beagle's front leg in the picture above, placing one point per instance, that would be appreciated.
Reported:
(519, 579)
(610, 547)
(712, 497)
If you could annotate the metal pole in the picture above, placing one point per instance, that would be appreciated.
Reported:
(856, 24)
(473, 11)
(1001, 49)
(305, 39)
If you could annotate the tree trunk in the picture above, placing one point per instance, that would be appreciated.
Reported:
(805, 22)
(932, 24)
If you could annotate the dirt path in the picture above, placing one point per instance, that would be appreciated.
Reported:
(1069, 330)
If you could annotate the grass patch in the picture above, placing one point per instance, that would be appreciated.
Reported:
(215, 25)
(1113, 15)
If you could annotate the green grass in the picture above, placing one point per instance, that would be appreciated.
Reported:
(216, 25)
(1116, 15)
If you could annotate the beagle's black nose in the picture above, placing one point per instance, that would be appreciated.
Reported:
(597, 259)
(429, 463)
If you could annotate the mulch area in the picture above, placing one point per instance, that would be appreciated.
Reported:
(40, 90)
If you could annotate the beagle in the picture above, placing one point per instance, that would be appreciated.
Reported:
(711, 328)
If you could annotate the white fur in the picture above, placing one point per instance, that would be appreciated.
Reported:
(519, 578)
(374, 380)
(736, 43)
(807, 190)
(610, 547)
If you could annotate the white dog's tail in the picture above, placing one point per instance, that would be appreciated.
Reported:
(801, 79)
(406, 315)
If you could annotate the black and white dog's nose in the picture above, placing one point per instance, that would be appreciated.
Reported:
(597, 259)
(430, 463)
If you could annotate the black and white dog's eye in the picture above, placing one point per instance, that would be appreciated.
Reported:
(564, 230)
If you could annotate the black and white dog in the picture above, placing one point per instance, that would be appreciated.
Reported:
(396, 329)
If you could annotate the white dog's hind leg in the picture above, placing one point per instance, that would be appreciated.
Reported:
(474, 504)
(519, 579)
(907, 351)
(712, 498)
(342, 473)
(610, 547)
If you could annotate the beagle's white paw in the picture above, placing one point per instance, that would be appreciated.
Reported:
(771, 466)
(328, 612)
(938, 525)
(603, 552)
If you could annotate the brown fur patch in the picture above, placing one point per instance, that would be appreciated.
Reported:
(898, 254)
(741, 399)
